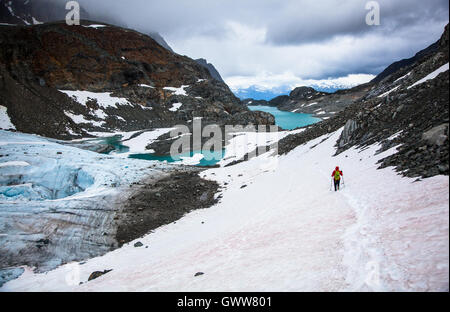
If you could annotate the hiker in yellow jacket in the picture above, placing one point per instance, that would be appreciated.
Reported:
(337, 174)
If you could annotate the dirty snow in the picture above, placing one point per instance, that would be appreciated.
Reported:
(279, 227)
(245, 142)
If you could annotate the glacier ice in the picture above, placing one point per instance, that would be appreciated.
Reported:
(62, 195)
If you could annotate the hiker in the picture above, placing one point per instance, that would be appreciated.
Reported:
(337, 178)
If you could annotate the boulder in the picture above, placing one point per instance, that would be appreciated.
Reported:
(437, 135)
(349, 128)
(97, 274)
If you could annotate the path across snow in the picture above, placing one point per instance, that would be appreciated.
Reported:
(286, 231)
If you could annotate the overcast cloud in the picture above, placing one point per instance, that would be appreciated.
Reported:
(250, 41)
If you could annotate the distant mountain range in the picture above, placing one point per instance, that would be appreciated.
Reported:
(399, 75)
(326, 85)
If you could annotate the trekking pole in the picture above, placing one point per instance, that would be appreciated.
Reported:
(343, 181)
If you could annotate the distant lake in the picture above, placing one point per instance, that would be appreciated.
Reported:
(287, 120)
(209, 158)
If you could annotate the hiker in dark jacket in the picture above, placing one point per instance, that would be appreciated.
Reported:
(336, 175)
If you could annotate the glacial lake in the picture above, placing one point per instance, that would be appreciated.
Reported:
(287, 120)
(209, 158)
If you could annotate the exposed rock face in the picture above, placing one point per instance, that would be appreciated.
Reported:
(210, 67)
(38, 61)
(304, 93)
(349, 128)
(156, 203)
(158, 38)
(279, 100)
(321, 104)
(398, 112)
(32, 12)
(97, 274)
(325, 105)
(437, 135)
(252, 102)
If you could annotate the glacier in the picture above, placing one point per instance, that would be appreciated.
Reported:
(58, 202)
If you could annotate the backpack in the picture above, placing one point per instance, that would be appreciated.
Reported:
(337, 175)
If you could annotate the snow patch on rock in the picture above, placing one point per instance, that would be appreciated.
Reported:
(433, 75)
(175, 107)
(177, 91)
(104, 99)
(5, 121)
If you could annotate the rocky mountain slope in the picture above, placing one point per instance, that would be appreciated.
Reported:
(33, 12)
(210, 67)
(409, 109)
(324, 105)
(64, 81)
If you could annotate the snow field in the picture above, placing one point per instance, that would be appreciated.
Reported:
(278, 227)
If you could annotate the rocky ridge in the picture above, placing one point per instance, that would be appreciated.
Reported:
(210, 67)
(325, 105)
(147, 85)
(404, 111)
(307, 100)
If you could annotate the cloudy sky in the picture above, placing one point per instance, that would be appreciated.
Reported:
(279, 44)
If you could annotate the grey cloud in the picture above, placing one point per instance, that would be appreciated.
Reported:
(308, 22)
(198, 28)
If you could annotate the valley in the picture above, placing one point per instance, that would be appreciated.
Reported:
(125, 166)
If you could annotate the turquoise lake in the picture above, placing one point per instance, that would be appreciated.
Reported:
(287, 120)
(210, 158)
